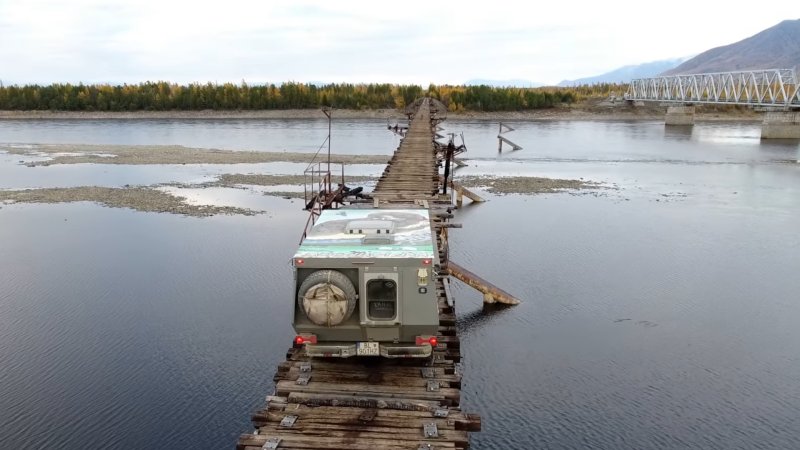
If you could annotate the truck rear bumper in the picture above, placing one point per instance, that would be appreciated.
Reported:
(348, 349)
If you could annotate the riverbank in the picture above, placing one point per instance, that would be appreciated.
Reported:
(165, 154)
(171, 197)
(589, 110)
(138, 198)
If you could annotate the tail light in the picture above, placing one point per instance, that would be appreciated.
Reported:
(422, 340)
(301, 339)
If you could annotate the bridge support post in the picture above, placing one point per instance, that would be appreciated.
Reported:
(679, 115)
(781, 125)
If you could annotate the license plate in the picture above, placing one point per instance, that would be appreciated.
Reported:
(368, 349)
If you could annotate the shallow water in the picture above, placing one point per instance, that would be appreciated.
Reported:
(659, 313)
(299, 135)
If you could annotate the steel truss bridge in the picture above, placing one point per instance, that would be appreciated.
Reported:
(766, 88)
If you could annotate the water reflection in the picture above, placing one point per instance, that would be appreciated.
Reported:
(678, 132)
(780, 150)
(487, 315)
(304, 135)
(729, 133)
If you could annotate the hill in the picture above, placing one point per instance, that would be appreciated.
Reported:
(503, 83)
(777, 47)
(627, 73)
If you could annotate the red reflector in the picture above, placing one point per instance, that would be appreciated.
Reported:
(422, 340)
(426, 262)
(299, 261)
(305, 339)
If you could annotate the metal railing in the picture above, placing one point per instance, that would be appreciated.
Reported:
(319, 193)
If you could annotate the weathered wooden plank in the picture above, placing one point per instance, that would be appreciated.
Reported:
(491, 292)
(356, 401)
(455, 420)
(405, 367)
(344, 376)
(373, 375)
(353, 442)
(444, 395)
(365, 431)
(354, 412)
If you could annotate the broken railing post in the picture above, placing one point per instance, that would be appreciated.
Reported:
(461, 191)
(491, 293)
(501, 139)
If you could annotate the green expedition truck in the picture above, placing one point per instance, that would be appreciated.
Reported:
(364, 284)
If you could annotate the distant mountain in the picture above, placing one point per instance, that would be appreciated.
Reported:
(503, 83)
(774, 48)
(627, 73)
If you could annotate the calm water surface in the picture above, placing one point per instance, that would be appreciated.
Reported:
(659, 313)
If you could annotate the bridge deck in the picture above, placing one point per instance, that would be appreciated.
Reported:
(413, 170)
(379, 403)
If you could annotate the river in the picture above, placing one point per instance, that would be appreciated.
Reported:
(659, 311)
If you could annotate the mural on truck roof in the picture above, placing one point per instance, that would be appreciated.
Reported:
(369, 233)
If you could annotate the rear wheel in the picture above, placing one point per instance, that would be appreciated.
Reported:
(327, 297)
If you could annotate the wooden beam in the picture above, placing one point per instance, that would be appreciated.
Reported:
(491, 293)
(466, 192)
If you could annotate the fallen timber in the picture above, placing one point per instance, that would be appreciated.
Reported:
(375, 403)
(461, 192)
(491, 293)
(504, 128)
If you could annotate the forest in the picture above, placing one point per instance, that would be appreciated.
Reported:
(165, 96)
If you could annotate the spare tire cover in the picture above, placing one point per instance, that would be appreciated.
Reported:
(327, 297)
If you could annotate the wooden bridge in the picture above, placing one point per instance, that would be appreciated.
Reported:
(364, 404)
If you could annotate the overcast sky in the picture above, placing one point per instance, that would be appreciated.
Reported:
(44, 41)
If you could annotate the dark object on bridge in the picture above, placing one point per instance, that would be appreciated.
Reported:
(346, 193)
(397, 129)
(447, 158)
(340, 195)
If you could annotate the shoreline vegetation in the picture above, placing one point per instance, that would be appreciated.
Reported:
(165, 96)
(292, 100)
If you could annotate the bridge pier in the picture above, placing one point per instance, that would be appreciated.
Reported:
(679, 115)
(781, 125)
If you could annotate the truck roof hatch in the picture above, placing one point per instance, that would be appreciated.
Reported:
(370, 227)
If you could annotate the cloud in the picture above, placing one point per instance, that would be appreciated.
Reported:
(416, 41)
